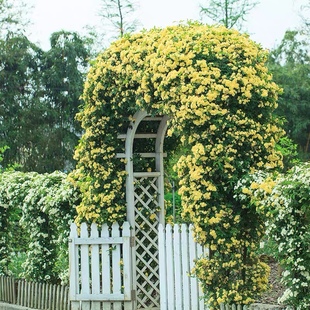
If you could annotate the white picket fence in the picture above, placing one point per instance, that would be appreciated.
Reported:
(33, 294)
(100, 268)
(179, 290)
(177, 253)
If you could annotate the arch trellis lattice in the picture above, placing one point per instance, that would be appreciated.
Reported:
(145, 206)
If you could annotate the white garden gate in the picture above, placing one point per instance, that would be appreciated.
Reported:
(100, 267)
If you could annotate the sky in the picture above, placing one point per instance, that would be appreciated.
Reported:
(266, 23)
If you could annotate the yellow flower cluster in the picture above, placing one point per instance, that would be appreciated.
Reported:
(213, 84)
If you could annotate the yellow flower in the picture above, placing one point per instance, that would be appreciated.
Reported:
(246, 191)
(213, 233)
(152, 216)
(213, 247)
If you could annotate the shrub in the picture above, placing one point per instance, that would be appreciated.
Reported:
(284, 199)
(42, 205)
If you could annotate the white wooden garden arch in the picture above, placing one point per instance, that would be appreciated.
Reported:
(140, 190)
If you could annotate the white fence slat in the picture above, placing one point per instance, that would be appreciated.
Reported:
(73, 268)
(50, 295)
(28, 290)
(85, 283)
(22, 293)
(33, 295)
(200, 293)
(177, 267)
(54, 294)
(95, 266)
(193, 281)
(170, 268)
(127, 265)
(185, 267)
(163, 267)
(35, 301)
(116, 270)
(105, 262)
(43, 294)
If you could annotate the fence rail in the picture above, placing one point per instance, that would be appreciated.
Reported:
(34, 295)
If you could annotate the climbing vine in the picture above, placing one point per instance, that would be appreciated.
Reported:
(213, 84)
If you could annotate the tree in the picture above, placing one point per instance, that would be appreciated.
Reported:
(290, 65)
(13, 17)
(22, 112)
(117, 16)
(63, 75)
(230, 13)
(39, 98)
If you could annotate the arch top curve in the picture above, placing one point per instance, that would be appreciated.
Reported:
(214, 85)
(131, 131)
(158, 156)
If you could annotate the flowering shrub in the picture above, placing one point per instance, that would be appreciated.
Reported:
(45, 204)
(213, 84)
(285, 199)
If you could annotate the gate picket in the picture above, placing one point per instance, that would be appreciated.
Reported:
(177, 268)
(85, 268)
(116, 268)
(185, 267)
(95, 267)
(106, 305)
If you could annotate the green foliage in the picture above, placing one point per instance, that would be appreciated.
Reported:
(2, 150)
(268, 249)
(35, 213)
(173, 207)
(289, 151)
(290, 65)
(63, 74)
(20, 107)
(39, 97)
(15, 266)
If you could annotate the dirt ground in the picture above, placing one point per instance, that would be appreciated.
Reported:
(277, 289)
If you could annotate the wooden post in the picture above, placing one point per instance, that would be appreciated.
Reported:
(160, 166)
